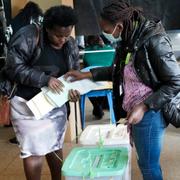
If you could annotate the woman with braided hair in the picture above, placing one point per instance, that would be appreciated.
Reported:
(145, 76)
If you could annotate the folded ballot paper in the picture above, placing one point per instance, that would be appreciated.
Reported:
(46, 100)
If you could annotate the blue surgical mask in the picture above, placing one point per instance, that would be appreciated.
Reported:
(111, 38)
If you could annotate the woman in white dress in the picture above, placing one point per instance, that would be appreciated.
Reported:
(36, 57)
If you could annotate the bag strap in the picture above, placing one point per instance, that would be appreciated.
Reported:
(38, 34)
(13, 89)
(155, 80)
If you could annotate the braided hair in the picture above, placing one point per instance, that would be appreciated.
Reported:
(120, 10)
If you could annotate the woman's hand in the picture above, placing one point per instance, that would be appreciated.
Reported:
(55, 85)
(73, 95)
(136, 115)
(77, 75)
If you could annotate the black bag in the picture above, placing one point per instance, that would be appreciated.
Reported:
(171, 111)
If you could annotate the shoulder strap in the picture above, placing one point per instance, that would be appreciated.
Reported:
(155, 80)
(38, 34)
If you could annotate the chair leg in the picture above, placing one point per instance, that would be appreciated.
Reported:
(82, 102)
(111, 109)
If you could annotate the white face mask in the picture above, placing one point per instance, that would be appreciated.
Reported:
(111, 38)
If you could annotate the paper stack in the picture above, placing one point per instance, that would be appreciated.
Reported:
(46, 100)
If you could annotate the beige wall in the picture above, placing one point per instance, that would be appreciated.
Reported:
(45, 4)
(67, 2)
(16, 5)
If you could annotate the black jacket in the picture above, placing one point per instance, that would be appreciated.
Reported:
(154, 62)
(23, 51)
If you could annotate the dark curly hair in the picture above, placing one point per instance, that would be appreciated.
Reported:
(120, 10)
(31, 9)
(59, 16)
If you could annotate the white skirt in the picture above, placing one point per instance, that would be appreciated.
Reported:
(37, 137)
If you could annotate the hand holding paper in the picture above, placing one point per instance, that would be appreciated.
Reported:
(47, 99)
(55, 85)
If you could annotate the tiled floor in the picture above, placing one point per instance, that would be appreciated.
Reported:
(11, 165)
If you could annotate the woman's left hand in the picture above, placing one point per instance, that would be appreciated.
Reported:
(136, 115)
(73, 95)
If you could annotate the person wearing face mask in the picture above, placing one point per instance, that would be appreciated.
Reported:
(110, 36)
(36, 57)
(110, 39)
(145, 76)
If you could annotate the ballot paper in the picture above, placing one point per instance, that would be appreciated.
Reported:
(46, 100)
(83, 86)
(40, 105)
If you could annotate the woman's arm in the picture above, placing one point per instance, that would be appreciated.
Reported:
(77, 75)
(96, 74)
(20, 53)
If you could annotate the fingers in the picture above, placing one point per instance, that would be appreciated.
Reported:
(55, 85)
(68, 74)
(129, 127)
(122, 121)
(133, 120)
(136, 114)
(75, 75)
(71, 75)
(130, 120)
(74, 95)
